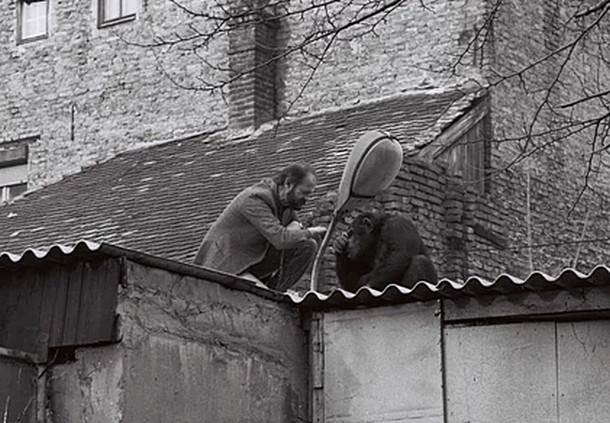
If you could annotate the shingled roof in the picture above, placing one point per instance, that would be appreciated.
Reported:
(162, 199)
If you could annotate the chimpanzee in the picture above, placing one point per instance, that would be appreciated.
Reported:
(381, 249)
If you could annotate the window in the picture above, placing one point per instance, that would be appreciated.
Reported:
(32, 17)
(9, 192)
(467, 152)
(115, 11)
(467, 156)
(13, 169)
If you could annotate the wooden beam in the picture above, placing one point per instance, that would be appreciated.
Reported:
(451, 134)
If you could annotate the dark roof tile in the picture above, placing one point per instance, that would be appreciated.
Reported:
(162, 199)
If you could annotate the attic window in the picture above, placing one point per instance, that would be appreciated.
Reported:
(13, 169)
(466, 148)
(32, 19)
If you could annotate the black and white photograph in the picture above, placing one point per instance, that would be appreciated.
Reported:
(304, 211)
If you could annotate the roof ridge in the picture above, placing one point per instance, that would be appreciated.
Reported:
(247, 134)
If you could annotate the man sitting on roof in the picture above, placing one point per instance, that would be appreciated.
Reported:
(259, 233)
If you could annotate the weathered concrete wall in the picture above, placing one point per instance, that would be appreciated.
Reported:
(199, 349)
(89, 389)
(191, 350)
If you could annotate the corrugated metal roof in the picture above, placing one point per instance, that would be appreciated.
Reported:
(52, 253)
(339, 298)
(86, 249)
(473, 287)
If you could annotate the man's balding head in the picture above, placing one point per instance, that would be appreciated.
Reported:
(295, 183)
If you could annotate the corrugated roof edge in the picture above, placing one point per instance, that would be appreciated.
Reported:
(85, 248)
(474, 286)
(392, 294)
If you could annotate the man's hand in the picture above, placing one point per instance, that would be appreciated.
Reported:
(340, 244)
(317, 230)
(314, 230)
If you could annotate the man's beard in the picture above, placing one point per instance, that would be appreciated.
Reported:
(293, 202)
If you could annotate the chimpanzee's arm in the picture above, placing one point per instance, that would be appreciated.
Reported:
(401, 242)
(349, 273)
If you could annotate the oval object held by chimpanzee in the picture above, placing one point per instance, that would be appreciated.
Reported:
(371, 167)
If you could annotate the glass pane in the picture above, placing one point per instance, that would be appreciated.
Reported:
(453, 160)
(15, 190)
(112, 9)
(130, 7)
(33, 19)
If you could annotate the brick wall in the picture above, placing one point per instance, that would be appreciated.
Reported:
(464, 232)
(414, 47)
(557, 172)
(120, 96)
(537, 216)
(252, 92)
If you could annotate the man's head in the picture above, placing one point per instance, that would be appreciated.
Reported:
(295, 183)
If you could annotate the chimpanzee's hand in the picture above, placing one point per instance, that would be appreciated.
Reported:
(294, 225)
(340, 244)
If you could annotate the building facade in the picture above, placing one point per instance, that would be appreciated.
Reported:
(82, 81)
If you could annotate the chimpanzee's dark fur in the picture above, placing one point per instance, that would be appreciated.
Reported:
(382, 249)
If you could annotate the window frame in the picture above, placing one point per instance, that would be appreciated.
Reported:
(454, 134)
(20, 38)
(102, 23)
(4, 192)
(20, 157)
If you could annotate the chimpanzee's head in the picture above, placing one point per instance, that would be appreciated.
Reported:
(363, 236)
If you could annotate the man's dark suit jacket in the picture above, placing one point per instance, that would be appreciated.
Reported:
(246, 228)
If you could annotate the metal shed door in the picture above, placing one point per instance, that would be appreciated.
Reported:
(534, 372)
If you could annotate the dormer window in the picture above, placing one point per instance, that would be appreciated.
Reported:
(13, 169)
(32, 19)
(116, 11)
(465, 147)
